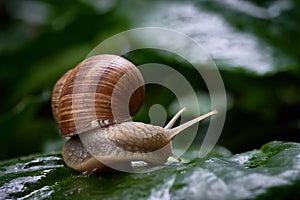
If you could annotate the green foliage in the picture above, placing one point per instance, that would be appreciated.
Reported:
(256, 50)
(269, 173)
(256, 46)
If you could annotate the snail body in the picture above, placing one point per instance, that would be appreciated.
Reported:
(93, 104)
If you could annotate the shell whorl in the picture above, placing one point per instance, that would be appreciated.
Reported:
(82, 98)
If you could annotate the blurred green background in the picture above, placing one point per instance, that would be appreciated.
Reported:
(255, 44)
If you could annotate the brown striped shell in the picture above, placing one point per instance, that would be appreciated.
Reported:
(100, 91)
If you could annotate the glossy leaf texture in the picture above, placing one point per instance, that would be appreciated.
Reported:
(272, 172)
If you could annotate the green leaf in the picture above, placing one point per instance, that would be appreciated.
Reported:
(273, 172)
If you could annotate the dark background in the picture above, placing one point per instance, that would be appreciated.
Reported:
(255, 44)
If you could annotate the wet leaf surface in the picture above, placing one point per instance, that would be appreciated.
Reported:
(272, 172)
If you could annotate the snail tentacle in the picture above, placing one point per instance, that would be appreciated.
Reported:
(174, 131)
(174, 119)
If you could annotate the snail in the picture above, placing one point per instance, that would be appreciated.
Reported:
(93, 105)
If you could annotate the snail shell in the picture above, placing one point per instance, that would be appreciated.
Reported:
(82, 97)
(93, 104)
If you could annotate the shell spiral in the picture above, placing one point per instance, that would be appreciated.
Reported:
(99, 91)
